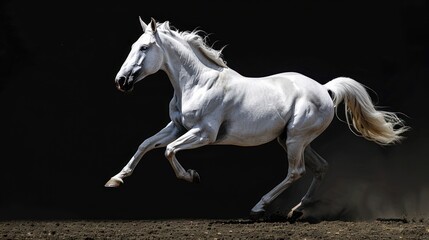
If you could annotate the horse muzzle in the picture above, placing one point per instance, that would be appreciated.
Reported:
(124, 85)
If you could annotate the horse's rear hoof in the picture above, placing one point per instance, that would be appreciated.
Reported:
(194, 175)
(293, 216)
(114, 183)
(257, 216)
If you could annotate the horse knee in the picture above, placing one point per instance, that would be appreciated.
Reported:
(169, 152)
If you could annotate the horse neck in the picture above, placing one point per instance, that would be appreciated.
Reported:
(187, 67)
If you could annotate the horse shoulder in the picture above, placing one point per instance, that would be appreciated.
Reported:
(200, 105)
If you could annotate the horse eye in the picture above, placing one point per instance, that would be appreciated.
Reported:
(144, 47)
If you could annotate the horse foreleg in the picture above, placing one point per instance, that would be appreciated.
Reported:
(319, 167)
(161, 139)
(296, 169)
(194, 138)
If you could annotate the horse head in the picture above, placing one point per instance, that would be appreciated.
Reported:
(145, 58)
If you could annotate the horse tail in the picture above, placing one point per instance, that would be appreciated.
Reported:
(382, 127)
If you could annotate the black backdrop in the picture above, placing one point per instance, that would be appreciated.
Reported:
(65, 129)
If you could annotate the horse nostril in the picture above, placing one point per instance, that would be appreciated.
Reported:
(123, 84)
(120, 81)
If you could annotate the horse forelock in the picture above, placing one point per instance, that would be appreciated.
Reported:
(194, 39)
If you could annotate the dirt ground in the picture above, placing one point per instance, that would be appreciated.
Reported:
(214, 229)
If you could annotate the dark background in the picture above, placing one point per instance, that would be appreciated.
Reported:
(65, 129)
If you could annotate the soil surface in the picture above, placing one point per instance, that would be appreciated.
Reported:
(213, 229)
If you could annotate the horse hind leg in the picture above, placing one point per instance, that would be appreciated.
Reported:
(308, 123)
(296, 169)
(318, 166)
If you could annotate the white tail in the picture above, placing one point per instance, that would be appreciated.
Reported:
(381, 127)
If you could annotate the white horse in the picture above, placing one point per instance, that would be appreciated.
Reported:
(213, 104)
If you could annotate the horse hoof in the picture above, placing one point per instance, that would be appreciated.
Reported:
(257, 216)
(194, 175)
(114, 183)
(293, 216)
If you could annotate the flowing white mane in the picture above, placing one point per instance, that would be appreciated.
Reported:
(198, 42)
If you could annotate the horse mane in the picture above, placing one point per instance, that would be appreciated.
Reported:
(194, 39)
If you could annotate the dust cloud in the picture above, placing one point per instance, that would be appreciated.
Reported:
(366, 181)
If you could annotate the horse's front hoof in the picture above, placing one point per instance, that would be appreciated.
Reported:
(257, 216)
(195, 177)
(114, 183)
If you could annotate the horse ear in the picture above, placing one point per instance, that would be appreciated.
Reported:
(153, 24)
(144, 25)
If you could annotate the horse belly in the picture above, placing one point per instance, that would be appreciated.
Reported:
(248, 132)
